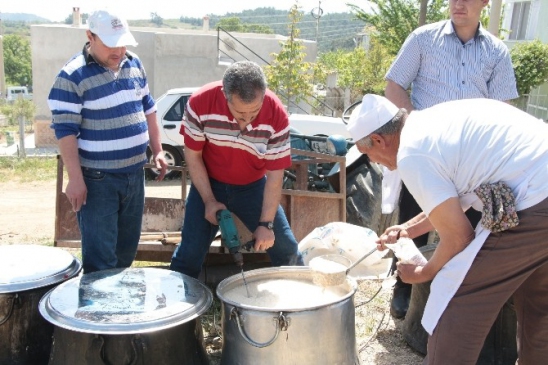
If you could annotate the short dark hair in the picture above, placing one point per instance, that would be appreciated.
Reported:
(245, 79)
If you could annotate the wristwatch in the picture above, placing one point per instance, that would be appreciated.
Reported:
(269, 225)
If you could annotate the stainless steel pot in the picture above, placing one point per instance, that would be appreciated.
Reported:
(27, 272)
(311, 333)
(127, 316)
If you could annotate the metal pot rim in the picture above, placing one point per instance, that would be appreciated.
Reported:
(45, 266)
(179, 308)
(286, 272)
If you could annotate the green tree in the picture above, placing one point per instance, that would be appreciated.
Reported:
(156, 19)
(395, 19)
(18, 108)
(17, 60)
(359, 70)
(530, 61)
(289, 75)
(234, 24)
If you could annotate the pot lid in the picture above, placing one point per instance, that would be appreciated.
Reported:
(124, 301)
(26, 267)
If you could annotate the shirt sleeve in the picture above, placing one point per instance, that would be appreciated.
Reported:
(502, 84)
(65, 103)
(278, 154)
(427, 180)
(406, 66)
(192, 128)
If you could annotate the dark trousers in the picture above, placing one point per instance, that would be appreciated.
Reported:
(510, 263)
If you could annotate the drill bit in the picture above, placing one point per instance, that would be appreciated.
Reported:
(245, 283)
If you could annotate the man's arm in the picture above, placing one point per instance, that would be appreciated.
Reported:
(455, 233)
(200, 180)
(76, 190)
(264, 238)
(156, 145)
(398, 95)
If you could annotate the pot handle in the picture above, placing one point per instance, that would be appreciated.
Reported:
(282, 324)
(95, 354)
(14, 300)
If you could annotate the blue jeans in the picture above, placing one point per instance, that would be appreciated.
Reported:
(246, 202)
(110, 222)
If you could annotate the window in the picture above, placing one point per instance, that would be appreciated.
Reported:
(175, 114)
(520, 19)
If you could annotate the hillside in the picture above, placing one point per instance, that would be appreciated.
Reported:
(332, 31)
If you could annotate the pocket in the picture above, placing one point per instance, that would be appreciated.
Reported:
(92, 174)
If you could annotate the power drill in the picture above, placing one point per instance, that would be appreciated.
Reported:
(229, 236)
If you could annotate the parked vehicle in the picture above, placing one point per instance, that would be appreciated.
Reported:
(14, 92)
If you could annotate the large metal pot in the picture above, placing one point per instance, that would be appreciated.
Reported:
(26, 273)
(301, 332)
(127, 316)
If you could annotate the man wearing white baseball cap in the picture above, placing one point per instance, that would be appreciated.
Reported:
(104, 119)
(111, 29)
(486, 154)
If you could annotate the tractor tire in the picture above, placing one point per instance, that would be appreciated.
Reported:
(364, 198)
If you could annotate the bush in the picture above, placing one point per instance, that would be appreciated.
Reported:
(530, 61)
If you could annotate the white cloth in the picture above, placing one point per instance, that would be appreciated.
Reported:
(391, 188)
(448, 279)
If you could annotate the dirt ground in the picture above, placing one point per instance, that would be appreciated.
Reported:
(28, 216)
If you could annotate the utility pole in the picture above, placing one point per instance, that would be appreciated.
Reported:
(317, 14)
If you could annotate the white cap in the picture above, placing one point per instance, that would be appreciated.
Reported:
(374, 112)
(111, 29)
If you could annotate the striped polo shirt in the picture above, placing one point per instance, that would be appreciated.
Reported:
(230, 155)
(105, 110)
(438, 67)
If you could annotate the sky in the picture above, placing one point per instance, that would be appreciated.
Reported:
(58, 10)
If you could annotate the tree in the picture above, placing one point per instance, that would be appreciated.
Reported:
(530, 61)
(289, 75)
(234, 24)
(359, 70)
(20, 108)
(394, 20)
(156, 19)
(17, 60)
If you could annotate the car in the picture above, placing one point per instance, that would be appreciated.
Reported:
(170, 110)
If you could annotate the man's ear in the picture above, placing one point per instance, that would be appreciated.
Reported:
(378, 140)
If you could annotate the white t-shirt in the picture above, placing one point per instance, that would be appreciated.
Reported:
(452, 148)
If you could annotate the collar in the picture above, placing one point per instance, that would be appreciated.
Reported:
(448, 29)
(89, 58)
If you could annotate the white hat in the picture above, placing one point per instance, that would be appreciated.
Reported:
(374, 112)
(111, 29)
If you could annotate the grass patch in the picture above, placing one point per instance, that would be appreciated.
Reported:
(28, 169)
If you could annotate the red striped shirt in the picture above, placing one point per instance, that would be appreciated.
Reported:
(230, 155)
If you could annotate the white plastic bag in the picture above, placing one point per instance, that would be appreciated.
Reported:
(406, 251)
(350, 241)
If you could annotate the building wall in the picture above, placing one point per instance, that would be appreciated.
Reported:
(172, 58)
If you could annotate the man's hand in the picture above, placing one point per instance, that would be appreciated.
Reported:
(161, 165)
(211, 209)
(412, 274)
(264, 238)
(76, 193)
(391, 235)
